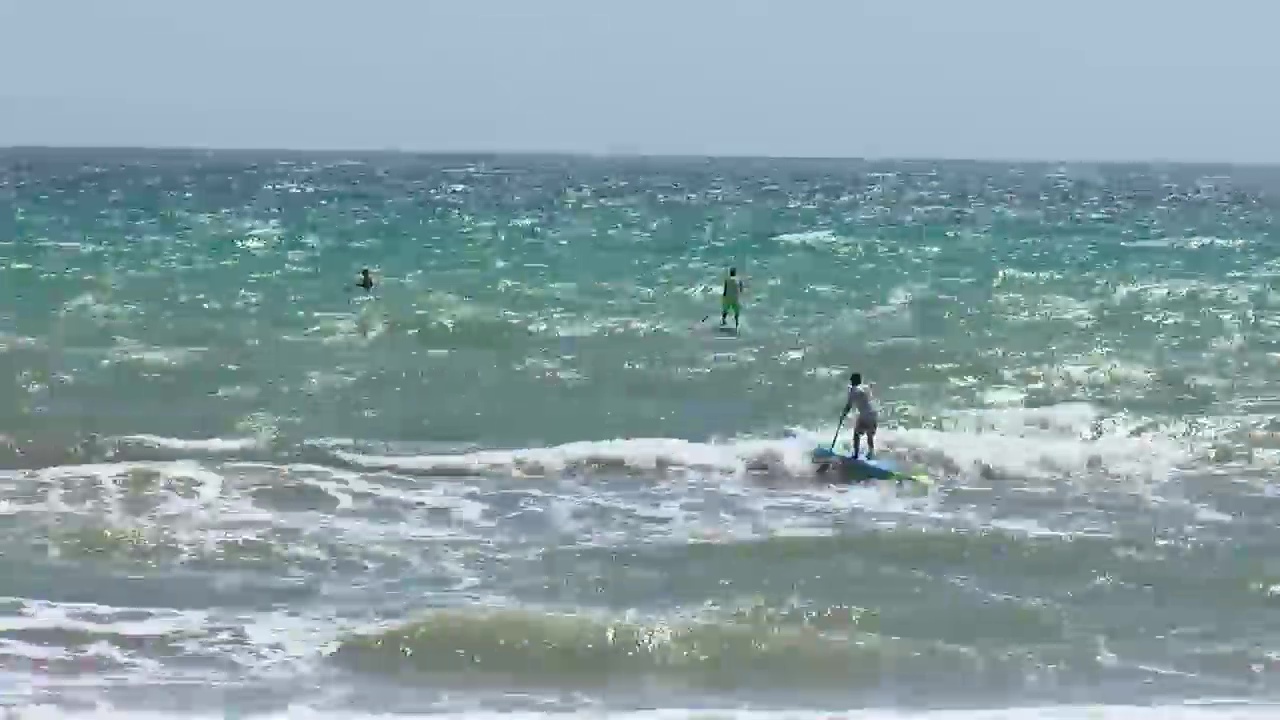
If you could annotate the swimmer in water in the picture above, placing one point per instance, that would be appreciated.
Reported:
(366, 280)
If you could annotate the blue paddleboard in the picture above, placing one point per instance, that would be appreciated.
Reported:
(861, 468)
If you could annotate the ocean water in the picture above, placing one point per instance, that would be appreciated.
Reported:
(525, 476)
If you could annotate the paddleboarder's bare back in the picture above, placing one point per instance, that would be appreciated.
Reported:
(867, 419)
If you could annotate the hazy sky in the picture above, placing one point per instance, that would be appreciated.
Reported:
(1071, 79)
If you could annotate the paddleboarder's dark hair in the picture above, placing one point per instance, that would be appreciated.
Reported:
(855, 379)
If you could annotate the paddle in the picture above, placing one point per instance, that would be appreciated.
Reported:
(823, 467)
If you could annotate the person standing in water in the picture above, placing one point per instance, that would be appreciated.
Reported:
(733, 288)
(865, 424)
(366, 280)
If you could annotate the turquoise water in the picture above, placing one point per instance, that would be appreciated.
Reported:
(526, 473)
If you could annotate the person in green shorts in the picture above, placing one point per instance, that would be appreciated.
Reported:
(733, 287)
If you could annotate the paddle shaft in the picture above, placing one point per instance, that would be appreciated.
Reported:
(823, 466)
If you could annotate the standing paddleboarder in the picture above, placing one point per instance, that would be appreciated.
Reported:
(867, 419)
(729, 299)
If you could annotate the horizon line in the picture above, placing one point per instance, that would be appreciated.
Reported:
(622, 155)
